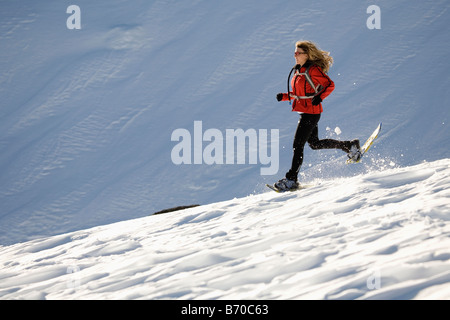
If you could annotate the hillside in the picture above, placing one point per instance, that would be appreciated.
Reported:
(87, 116)
(382, 235)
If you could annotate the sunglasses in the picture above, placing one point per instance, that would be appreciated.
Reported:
(299, 53)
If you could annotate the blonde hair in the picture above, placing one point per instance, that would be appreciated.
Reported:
(315, 55)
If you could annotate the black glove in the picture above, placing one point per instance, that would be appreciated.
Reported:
(316, 100)
(279, 96)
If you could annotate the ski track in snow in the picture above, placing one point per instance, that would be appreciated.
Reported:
(383, 235)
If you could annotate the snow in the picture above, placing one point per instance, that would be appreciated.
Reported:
(382, 235)
(86, 120)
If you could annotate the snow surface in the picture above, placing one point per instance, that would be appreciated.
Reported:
(86, 118)
(382, 235)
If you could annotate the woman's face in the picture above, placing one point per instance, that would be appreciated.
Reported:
(300, 56)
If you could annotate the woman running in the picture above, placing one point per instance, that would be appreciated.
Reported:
(310, 86)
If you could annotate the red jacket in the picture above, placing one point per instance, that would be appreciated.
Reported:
(301, 87)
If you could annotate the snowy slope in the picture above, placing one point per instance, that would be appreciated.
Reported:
(86, 116)
(383, 235)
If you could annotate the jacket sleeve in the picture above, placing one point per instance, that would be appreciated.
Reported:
(285, 97)
(320, 77)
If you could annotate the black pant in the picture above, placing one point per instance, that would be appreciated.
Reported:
(307, 131)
